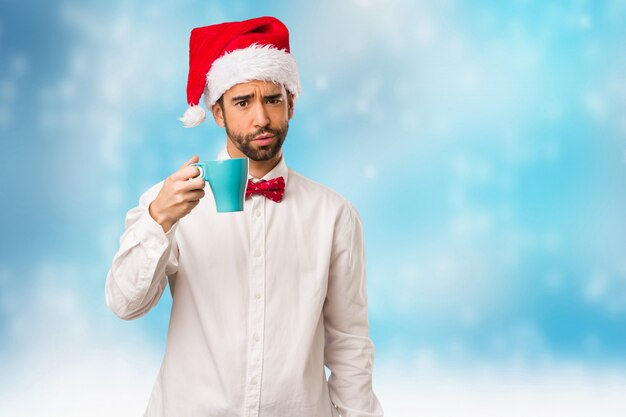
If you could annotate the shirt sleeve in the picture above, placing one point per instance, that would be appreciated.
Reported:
(349, 352)
(147, 254)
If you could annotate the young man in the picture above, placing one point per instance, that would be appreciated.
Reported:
(263, 299)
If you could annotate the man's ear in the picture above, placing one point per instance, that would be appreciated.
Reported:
(290, 105)
(218, 114)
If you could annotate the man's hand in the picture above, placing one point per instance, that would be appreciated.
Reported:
(181, 192)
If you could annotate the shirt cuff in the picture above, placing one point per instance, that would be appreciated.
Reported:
(149, 230)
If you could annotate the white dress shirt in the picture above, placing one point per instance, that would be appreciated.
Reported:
(262, 300)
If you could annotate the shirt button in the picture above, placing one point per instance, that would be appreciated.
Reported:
(257, 252)
(257, 213)
(253, 381)
(257, 296)
(257, 338)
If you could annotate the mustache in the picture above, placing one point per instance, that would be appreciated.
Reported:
(274, 132)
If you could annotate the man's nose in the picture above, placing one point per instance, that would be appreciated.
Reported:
(261, 118)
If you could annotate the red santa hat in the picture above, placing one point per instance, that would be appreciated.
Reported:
(230, 53)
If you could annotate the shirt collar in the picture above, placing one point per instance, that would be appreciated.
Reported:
(280, 170)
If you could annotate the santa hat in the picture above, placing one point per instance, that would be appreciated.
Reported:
(226, 54)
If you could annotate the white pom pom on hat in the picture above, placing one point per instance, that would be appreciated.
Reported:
(194, 115)
(226, 54)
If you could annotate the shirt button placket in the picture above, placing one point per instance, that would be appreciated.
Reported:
(256, 307)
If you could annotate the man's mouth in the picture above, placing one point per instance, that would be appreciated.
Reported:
(264, 139)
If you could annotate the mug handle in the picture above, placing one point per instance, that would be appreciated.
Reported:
(200, 166)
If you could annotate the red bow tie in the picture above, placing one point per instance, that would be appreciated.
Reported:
(272, 189)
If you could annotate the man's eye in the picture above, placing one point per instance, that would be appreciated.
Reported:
(274, 101)
(241, 103)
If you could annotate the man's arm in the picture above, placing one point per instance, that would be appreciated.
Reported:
(148, 250)
(146, 255)
(349, 352)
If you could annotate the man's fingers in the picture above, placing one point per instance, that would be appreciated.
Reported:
(193, 160)
(186, 172)
(196, 183)
(194, 195)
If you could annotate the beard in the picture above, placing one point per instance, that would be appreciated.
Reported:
(259, 153)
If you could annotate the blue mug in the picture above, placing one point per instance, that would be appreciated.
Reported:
(228, 179)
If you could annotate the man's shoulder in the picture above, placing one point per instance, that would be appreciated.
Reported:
(320, 192)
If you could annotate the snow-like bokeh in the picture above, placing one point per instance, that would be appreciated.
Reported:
(483, 144)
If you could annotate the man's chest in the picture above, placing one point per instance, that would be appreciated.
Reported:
(289, 252)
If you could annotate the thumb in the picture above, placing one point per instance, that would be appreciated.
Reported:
(193, 160)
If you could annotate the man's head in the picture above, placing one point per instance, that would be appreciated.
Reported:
(256, 116)
(225, 55)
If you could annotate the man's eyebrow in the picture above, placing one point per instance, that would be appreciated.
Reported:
(273, 96)
(239, 98)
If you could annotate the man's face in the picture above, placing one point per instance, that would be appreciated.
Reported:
(256, 116)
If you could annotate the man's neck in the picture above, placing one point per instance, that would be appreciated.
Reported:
(258, 169)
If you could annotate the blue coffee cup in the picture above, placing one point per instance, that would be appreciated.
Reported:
(228, 179)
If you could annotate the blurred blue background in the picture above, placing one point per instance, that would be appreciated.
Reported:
(483, 143)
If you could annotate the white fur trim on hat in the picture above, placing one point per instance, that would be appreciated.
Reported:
(194, 115)
(256, 62)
